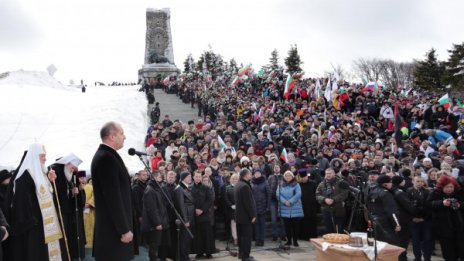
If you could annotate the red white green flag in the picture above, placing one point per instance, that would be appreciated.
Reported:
(445, 101)
(235, 81)
(283, 155)
(244, 70)
(166, 80)
(222, 144)
(288, 86)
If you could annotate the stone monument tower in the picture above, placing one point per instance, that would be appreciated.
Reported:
(159, 54)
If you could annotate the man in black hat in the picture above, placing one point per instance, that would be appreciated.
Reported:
(245, 214)
(155, 222)
(138, 189)
(405, 213)
(184, 202)
(371, 183)
(308, 200)
(384, 211)
(155, 113)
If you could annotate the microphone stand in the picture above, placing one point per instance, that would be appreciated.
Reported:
(55, 192)
(279, 216)
(77, 219)
(178, 223)
(179, 217)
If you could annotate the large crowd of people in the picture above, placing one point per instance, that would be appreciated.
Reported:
(351, 152)
(323, 152)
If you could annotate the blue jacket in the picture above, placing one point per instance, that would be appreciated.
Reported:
(290, 192)
(261, 194)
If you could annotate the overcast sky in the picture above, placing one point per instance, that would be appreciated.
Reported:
(104, 40)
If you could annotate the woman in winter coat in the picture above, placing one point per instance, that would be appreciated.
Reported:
(290, 207)
(447, 222)
(262, 196)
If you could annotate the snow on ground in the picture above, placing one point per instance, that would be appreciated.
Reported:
(34, 107)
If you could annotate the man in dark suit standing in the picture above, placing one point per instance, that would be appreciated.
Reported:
(112, 190)
(245, 214)
(185, 205)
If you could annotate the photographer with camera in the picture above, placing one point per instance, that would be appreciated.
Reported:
(447, 223)
(331, 197)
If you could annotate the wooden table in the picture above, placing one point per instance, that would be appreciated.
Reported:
(388, 253)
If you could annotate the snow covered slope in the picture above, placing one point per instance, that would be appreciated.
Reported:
(34, 107)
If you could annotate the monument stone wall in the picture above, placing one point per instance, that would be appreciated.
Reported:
(159, 53)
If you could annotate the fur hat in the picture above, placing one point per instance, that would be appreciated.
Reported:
(244, 158)
(396, 180)
(383, 179)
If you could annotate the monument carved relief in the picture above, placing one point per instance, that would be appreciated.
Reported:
(159, 54)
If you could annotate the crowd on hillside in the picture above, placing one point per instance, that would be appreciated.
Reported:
(322, 146)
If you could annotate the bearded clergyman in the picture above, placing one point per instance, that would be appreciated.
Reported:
(31, 213)
(72, 201)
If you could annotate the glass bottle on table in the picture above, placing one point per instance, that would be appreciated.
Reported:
(370, 234)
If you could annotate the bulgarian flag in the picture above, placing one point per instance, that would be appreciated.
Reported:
(283, 155)
(445, 101)
(235, 81)
(317, 90)
(273, 108)
(288, 86)
(222, 144)
(244, 70)
(166, 80)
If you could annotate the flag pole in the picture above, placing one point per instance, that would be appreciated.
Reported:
(55, 192)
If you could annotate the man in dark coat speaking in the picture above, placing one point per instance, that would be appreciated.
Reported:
(112, 190)
(245, 214)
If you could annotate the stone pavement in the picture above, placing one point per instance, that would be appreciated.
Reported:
(171, 104)
(268, 252)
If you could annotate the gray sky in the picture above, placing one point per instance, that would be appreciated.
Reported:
(104, 40)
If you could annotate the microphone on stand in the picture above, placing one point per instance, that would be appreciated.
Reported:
(133, 152)
(74, 179)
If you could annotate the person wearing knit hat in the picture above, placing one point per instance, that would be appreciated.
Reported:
(384, 210)
(384, 179)
(372, 176)
(183, 175)
(308, 224)
(406, 174)
(243, 159)
(397, 180)
(245, 162)
(302, 173)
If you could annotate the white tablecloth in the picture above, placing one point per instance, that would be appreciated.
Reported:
(368, 250)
